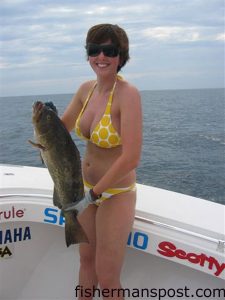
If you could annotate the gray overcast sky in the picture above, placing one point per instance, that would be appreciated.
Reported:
(174, 44)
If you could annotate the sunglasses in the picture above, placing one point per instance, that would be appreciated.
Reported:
(108, 50)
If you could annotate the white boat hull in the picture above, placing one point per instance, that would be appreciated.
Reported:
(165, 257)
(42, 268)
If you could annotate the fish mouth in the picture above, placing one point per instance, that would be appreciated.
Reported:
(37, 111)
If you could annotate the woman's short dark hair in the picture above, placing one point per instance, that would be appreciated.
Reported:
(103, 32)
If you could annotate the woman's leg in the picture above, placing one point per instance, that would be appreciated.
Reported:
(87, 274)
(114, 220)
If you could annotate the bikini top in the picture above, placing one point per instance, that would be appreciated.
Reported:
(104, 134)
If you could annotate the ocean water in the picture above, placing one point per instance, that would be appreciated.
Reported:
(183, 139)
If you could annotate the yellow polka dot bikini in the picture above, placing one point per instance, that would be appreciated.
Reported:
(104, 134)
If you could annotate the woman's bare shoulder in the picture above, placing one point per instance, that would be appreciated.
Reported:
(85, 88)
(129, 92)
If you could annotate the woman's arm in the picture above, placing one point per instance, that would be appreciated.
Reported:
(131, 136)
(73, 109)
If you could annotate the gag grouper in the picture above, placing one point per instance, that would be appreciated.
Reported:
(62, 159)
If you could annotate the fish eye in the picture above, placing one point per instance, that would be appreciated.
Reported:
(48, 117)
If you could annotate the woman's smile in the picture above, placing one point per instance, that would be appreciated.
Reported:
(102, 65)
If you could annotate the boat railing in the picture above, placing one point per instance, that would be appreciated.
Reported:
(219, 242)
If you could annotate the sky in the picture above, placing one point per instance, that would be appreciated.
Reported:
(174, 44)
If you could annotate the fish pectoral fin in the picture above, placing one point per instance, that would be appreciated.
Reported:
(42, 160)
(37, 145)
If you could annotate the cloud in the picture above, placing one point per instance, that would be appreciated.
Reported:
(174, 33)
(182, 33)
(220, 37)
(46, 38)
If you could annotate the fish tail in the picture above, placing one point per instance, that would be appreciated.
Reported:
(74, 233)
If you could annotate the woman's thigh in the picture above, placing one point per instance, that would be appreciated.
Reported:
(87, 221)
(114, 220)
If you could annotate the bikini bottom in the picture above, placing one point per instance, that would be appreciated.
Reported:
(109, 192)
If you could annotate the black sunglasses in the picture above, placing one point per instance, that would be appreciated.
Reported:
(108, 50)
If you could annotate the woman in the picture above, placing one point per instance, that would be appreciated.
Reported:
(107, 114)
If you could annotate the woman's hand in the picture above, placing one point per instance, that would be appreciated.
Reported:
(89, 198)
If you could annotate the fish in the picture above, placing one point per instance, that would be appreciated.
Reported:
(62, 159)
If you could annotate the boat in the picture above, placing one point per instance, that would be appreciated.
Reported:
(176, 249)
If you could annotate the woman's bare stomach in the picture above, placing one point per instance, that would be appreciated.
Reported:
(97, 162)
